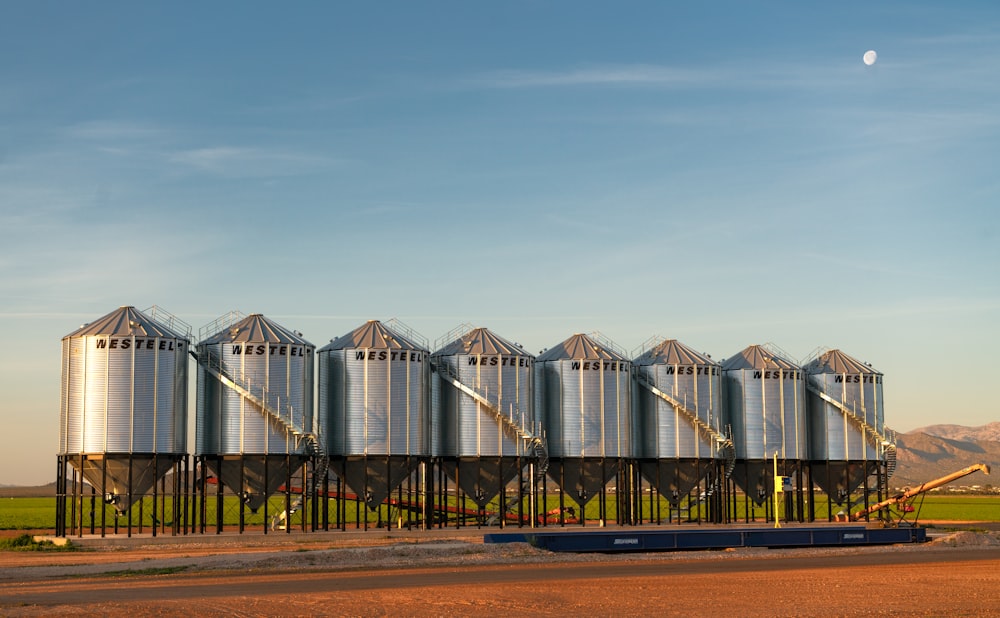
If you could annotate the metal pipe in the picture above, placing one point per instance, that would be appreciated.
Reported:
(923, 487)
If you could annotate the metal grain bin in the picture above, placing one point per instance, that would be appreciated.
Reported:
(374, 387)
(255, 400)
(123, 408)
(478, 377)
(678, 403)
(583, 395)
(847, 437)
(766, 407)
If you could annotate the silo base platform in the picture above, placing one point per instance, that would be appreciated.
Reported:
(690, 540)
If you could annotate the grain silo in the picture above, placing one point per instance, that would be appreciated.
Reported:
(484, 428)
(766, 407)
(255, 404)
(848, 438)
(583, 392)
(374, 391)
(123, 408)
(680, 432)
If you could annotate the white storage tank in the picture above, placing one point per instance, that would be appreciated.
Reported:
(848, 438)
(123, 407)
(584, 399)
(255, 400)
(766, 407)
(481, 451)
(680, 434)
(374, 397)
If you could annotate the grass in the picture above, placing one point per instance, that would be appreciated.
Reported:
(27, 513)
(39, 513)
(958, 508)
(26, 542)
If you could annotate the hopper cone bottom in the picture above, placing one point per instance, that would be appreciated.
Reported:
(255, 490)
(482, 478)
(582, 478)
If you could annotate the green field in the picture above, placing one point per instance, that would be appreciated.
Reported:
(39, 513)
(27, 513)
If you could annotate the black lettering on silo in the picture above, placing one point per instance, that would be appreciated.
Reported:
(575, 365)
(359, 355)
(237, 349)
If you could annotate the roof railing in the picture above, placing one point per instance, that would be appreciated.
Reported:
(171, 321)
(400, 328)
(219, 324)
(605, 341)
(454, 334)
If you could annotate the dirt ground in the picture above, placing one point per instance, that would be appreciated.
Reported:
(444, 572)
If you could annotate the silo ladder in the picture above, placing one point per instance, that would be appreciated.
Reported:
(887, 441)
(516, 429)
(724, 443)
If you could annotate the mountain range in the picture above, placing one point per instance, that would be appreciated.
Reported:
(931, 452)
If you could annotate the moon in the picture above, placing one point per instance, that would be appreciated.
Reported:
(870, 57)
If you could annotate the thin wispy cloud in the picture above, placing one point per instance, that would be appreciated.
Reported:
(241, 161)
(115, 130)
(627, 75)
(866, 314)
(955, 39)
(910, 128)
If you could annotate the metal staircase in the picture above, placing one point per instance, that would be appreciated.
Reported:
(890, 459)
(724, 443)
(886, 441)
(514, 425)
(278, 413)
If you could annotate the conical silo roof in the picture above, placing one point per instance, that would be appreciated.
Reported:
(835, 361)
(580, 347)
(372, 335)
(756, 357)
(125, 322)
(481, 341)
(672, 352)
(256, 328)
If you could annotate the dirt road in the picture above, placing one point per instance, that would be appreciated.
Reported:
(434, 579)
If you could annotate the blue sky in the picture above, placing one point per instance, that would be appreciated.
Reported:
(722, 173)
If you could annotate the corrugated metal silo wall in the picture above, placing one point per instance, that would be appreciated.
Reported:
(376, 401)
(463, 427)
(230, 424)
(662, 432)
(832, 436)
(123, 395)
(767, 410)
(586, 407)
